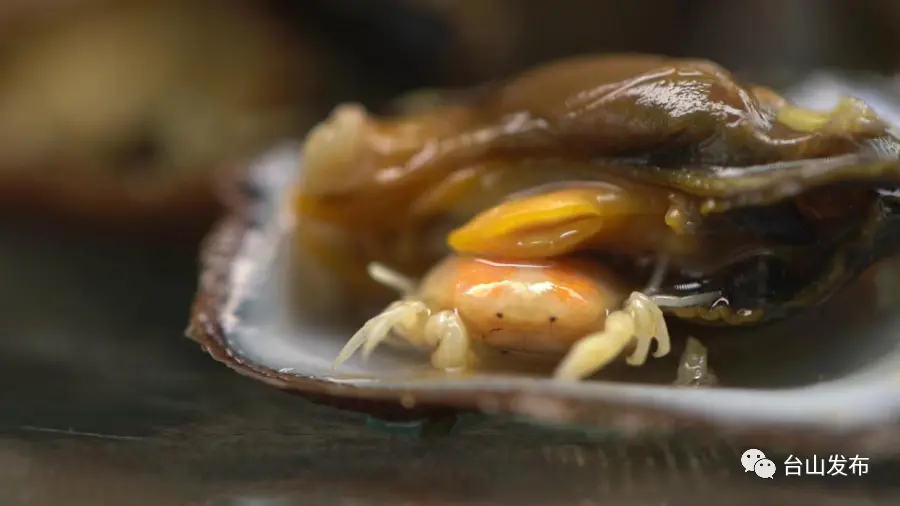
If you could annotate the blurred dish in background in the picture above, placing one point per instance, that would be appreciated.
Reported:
(124, 110)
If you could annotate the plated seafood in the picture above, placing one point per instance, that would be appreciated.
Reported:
(715, 201)
(821, 379)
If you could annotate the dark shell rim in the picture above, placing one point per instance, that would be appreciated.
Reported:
(222, 245)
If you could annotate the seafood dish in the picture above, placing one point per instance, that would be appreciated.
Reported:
(711, 200)
(625, 242)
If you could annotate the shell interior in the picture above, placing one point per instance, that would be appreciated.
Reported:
(828, 376)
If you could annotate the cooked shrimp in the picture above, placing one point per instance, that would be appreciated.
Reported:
(564, 305)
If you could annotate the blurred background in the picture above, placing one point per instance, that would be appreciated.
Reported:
(120, 121)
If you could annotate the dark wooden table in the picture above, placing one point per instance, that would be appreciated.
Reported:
(105, 403)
